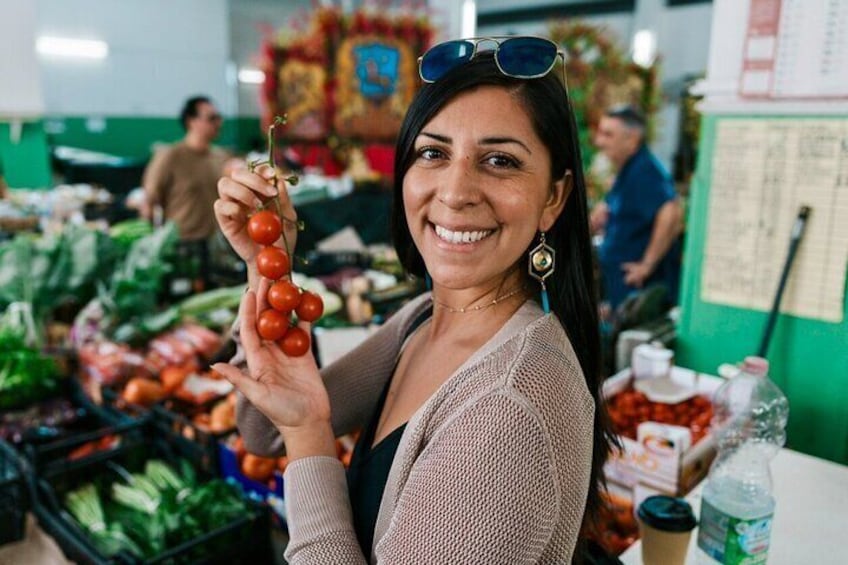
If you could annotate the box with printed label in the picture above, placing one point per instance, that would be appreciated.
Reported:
(665, 446)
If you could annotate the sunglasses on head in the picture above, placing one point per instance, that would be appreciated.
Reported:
(517, 57)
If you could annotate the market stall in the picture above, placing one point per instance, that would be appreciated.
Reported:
(118, 441)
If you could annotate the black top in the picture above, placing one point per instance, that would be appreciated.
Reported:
(369, 468)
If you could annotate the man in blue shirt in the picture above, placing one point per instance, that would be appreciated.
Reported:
(641, 216)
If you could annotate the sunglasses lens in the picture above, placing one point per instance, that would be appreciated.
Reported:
(525, 57)
(443, 57)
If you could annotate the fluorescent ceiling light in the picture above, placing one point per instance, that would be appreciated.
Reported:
(251, 76)
(469, 19)
(644, 48)
(66, 47)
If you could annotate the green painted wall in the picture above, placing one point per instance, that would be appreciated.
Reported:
(133, 137)
(25, 164)
(809, 359)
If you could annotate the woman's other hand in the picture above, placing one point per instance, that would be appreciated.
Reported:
(287, 390)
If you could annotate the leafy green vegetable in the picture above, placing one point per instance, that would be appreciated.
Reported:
(125, 233)
(135, 283)
(205, 302)
(25, 374)
(51, 270)
(158, 509)
(84, 505)
(163, 476)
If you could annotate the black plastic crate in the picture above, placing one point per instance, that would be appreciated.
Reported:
(202, 446)
(245, 540)
(81, 414)
(112, 400)
(174, 415)
(59, 420)
(14, 495)
(104, 438)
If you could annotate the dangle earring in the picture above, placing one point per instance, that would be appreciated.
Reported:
(428, 282)
(540, 266)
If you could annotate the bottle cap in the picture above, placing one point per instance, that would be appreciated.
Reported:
(755, 365)
(667, 513)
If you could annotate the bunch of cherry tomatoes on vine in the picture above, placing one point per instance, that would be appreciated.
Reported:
(265, 228)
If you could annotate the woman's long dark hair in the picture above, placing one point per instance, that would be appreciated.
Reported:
(571, 288)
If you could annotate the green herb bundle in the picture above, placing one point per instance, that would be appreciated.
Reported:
(155, 510)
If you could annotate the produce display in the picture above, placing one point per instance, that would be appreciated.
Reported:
(93, 346)
(53, 270)
(630, 408)
(111, 363)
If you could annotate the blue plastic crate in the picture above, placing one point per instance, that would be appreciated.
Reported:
(230, 470)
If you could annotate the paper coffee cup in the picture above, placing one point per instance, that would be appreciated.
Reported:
(665, 526)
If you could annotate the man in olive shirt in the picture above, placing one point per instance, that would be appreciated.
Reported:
(181, 180)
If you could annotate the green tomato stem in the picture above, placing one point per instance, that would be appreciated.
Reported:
(278, 120)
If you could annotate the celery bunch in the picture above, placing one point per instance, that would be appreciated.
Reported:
(155, 510)
(84, 504)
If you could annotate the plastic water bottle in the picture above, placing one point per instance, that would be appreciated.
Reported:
(737, 504)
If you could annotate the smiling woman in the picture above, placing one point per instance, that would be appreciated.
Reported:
(476, 194)
(465, 389)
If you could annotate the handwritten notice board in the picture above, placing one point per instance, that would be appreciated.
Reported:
(762, 172)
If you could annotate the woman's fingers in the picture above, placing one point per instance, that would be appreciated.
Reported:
(247, 312)
(230, 189)
(268, 173)
(230, 211)
(305, 326)
(248, 386)
(256, 182)
(262, 294)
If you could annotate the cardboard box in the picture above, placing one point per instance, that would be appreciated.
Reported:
(666, 470)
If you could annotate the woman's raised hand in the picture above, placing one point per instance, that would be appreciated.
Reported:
(240, 195)
(288, 390)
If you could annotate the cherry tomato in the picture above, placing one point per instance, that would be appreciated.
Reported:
(264, 227)
(310, 308)
(258, 468)
(284, 296)
(295, 343)
(272, 263)
(272, 325)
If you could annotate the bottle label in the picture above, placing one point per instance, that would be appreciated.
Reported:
(733, 541)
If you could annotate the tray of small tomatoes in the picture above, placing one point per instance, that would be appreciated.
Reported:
(629, 408)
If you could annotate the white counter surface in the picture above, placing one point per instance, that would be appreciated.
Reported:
(811, 514)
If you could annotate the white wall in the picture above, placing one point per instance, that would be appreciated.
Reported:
(620, 25)
(20, 84)
(245, 20)
(160, 53)
(446, 17)
(683, 44)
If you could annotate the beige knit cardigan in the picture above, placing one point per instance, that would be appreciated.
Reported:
(493, 468)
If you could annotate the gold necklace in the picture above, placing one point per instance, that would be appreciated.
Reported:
(479, 307)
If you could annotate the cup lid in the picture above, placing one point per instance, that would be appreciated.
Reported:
(667, 513)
